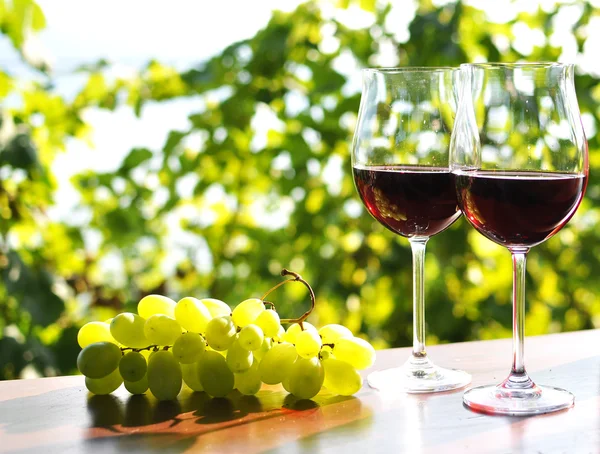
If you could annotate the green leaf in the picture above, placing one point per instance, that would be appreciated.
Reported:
(173, 140)
(38, 20)
(135, 157)
(12, 361)
(20, 153)
(33, 288)
(368, 5)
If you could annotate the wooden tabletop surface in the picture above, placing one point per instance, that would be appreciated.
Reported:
(57, 415)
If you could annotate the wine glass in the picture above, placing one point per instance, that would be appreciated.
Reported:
(520, 160)
(400, 160)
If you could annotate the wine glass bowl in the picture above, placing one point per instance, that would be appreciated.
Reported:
(520, 160)
(400, 159)
(410, 201)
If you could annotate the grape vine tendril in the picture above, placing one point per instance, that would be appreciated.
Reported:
(296, 278)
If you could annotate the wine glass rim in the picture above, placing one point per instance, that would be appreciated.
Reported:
(498, 65)
(408, 69)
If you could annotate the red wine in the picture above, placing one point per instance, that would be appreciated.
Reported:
(409, 200)
(519, 208)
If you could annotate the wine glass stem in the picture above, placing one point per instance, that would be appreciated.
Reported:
(518, 380)
(519, 258)
(418, 256)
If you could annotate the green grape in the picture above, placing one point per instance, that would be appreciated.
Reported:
(306, 378)
(280, 334)
(217, 308)
(214, 374)
(133, 366)
(277, 363)
(340, 377)
(248, 382)
(264, 348)
(325, 353)
(128, 329)
(99, 359)
(156, 304)
(188, 347)
(247, 311)
(238, 358)
(308, 344)
(286, 384)
(190, 376)
(294, 330)
(223, 353)
(220, 333)
(330, 333)
(192, 315)
(104, 385)
(164, 375)
(355, 351)
(269, 322)
(251, 337)
(137, 387)
(94, 332)
(162, 330)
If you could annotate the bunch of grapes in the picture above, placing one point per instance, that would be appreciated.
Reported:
(209, 347)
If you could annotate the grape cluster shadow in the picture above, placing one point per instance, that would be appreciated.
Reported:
(118, 421)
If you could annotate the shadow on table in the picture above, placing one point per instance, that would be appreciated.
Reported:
(141, 423)
(134, 424)
(142, 410)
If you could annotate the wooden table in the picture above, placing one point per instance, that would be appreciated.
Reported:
(57, 414)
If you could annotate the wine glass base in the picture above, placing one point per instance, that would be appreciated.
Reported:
(492, 400)
(411, 379)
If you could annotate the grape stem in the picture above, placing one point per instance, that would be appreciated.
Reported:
(150, 347)
(296, 278)
(270, 303)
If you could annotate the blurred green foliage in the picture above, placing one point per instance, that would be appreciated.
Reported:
(266, 166)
